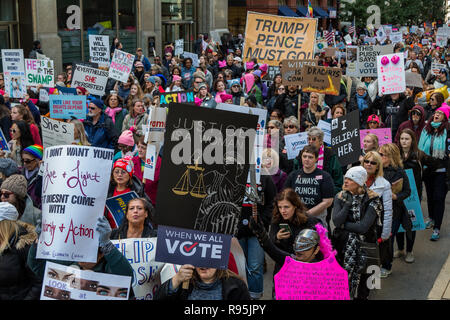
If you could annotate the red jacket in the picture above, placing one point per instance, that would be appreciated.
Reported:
(150, 186)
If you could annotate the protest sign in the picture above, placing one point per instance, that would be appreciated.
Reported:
(381, 35)
(391, 74)
(179, 47)
(56, 133)
(156, 124)
(331, 52)
(324, 80)
(396, 37)
(294, 143)
(193, 56)
(68, 283)
(117, 206)
(412, 204)
(436, 67)
(93, 80)
(74, 187)
(176, 97)
(99, 49)
(367, 59)
(348, 39)
(387, 29)
(291, 71)
(320, 46)
(271, 38)
(14, 73)
(324, 280)
(413, 79)
(150, 161)
(67, 106)
(441, 41)
(140, 253)
(384, 135)
(121, 65)
(345, 141)
(351, 60)
(371, 40)
(3, 142)
(326, 128)
(43, 95)
(40, 72)
(66, 90)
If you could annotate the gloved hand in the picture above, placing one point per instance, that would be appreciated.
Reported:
(104, 230)
(38, 228)
(258, 229)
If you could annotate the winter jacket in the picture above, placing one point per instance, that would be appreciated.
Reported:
(121, 232)
(145, 62)
(31, 214)
(309, 116)
(233, 289)
(388, 110)
(17, 280)
(383, 188)
(150, 186)
(34, 189)
(405, 107)
(398, 207)
(136, 122)
(364, 114)
(102, 134)
(416, 162)
(209, 102)
(409, 124)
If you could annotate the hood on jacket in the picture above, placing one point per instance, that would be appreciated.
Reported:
(26, 236)
(422, 111)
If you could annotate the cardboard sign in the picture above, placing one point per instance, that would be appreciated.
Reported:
(331, 52)
(176, 97)
(413, 79)
(140, 253)
(391, 74)
(118, 204)
(294, 143)
(198, 248)
(68, 283)
(367, 59)
(384, 135)
(56, 133)
(271, 38)
(324, 280)
(66, 107)
(179, 47)
(93, 80)
(4, 142)
(121, 65)
(99, 49)
(345, 140)
(74, 187)
(291, 71)
(323, 80)
(14, 73)
(40, 72)
(412, 204)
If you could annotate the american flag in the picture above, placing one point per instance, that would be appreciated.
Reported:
(352, 29)
(329, 36)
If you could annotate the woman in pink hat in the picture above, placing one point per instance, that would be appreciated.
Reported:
(176, 85)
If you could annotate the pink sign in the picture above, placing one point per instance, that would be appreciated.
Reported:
(324, 280)
(384, 135)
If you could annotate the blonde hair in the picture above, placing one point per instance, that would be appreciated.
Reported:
(320, 96)
(374, 138)
(392, 151)
(272, 154)
(7, 230)
(376, 157)
(79, 127)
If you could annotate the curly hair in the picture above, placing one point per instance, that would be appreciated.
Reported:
(290, 195)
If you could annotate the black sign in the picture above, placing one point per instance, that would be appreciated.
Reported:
(345, 140)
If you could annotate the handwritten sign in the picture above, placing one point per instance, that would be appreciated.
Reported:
(391, 74)
(323, 80)
(412, 204)
(93, 80)
(271, 38)
(56, 133)
(345, 140)
(291, 71)
(121, 65)
(324, 280)
(74, 187)
(436, 67)
(352, 60)
(384, 135)
(396, 37)
(40, 72)
(117, 205)
(68, 283)
(14, 73)
(193, 56)
(99, 49)
(67, 106)
(367, 59)
(179, 47)
(294, 143)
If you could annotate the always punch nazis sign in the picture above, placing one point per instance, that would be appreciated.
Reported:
(345, 141)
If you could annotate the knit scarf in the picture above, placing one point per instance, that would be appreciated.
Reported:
(438, 142)
(321, 157)
(362, 103)
(112, 113)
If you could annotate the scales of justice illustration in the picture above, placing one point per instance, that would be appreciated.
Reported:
(183, 186)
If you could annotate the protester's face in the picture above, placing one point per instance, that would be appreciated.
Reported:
(142, 151)
(338, 113)
(134, 90)
(433, 101)
(361, 91)
(267, 161)
(384, 158)
(157, 60)
(230, 60)
(405, 141)
(8, 196)
(206, 275)
(350, 185)
(139, 108)
(415, 116)
(314, 141)
(271, 128)
(121, 177)
(14, 132)
(220, 86)
(290, 129)
(308, 160)
(307, 255)
(278, 79)
(220, 77)
(15, 115)
(30, 162)
(188, 64)
(203, 92)
(114, 101)
(370, 165)
(438, 116)
(274, 116)
(136, 213)
(235, 88)
(60, 78)
(93, 110)
(281, 89)
(2, 81)
(286, 208)
(373, 125)
(197, 82)
(292, 89)
(368, 144)
(79, 92)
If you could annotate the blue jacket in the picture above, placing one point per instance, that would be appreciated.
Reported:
(103, 134)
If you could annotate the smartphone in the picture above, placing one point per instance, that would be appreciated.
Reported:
(286, 227)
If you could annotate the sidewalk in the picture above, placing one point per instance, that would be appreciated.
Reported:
(441, 287)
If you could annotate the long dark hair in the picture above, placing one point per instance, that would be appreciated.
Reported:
(26, 139)
(430, 130)
(290, 195)
(414, 149)
(149, 220)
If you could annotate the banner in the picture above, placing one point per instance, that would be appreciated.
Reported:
(93, 80)
(4, 142)
(176, 97)
(121, 65)
(68, 283)
(99, 50)
(118, 204)
(391, 74)
(40, 72)
(14, 73)
(74, 188)
(345, 140)
(323, 80)
(367, 59)
(412, 204)
(67, 106)
(56, 133)
(272, 39)
(291, 71)
(324, 280)
(384, 135)
(294, 143)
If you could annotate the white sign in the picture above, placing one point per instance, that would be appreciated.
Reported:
(194, 58)
(381, 35)
(326, 128)
(367, 59)
(179, 47)
(40, 72)
(69, 283)
(74, 188)
(441, 41)
(43, 95)
(348, 39)
(99, 49)
(295, 143)
(150, 161)
(14, 72)
(435, 67)
(396, 37)
(12, 60)
(56, 133)
(156, 125)
(121, 65)
(93, 80)
(391, 74)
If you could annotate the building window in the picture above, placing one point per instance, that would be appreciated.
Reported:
(177, 9)
(8, 11)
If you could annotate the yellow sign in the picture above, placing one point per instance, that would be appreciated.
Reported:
(271, 39)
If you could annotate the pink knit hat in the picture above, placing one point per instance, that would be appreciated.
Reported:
(176, 78)
(250, 65)
(222, 64)
(126, 138)
(225, 96)
(445, 109)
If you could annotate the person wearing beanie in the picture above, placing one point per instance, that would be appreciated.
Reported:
(373, 122)
(356, 213)
(81, 91)
(176, 84)
(226, 98)
(32, 157)
(236, 91)
(360, 100)
(126, 146)
(99, 127)
(207, 100)
(8, 167)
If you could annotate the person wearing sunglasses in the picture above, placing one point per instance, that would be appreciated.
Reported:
(21, 138)
(32, 159)
(435, 102)
(416, 123)
(236, 91)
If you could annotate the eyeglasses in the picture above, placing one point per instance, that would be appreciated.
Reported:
(281, 89)
(12, 130)
(6, 194)
(312, 138)
(198, 82)
(432, 99)
(416, 113)
(28, 161)
(291, 126)
(370, 162)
